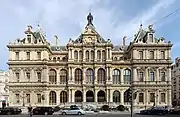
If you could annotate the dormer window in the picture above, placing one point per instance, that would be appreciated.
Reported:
(29, 38)
(151, 37)
(17, 55)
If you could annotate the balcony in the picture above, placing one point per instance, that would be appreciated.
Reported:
(152, 83)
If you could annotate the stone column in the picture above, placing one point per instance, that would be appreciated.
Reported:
(95, 95)
(111, 95)
(95, 55)
(146, 74)
(157, 97)
(107, 95)
(84, 55)
(122, 97)
(73, 95)
(47, 75)
(107, 54)
(122, 76)
(110, 74)
(107, 74)
(95, 75)
(21, 76)
(157, 75)
(69, 53)
(58, 76)
(69, 95)
(84, 75)
(169, 74)
(84, 95)
(46, 98)
(134, 74)
(72, 74)
(169, 100)
(146, 97)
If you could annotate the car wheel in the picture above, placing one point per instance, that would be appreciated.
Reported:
(8, 113)
(46, 113)
(79, 113)
(63, 113)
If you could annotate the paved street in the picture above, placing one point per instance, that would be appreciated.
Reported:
(94, 115)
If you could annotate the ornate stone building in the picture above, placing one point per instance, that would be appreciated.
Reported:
(90, 69)
(176, 82)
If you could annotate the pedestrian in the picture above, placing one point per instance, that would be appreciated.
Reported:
(30, 110)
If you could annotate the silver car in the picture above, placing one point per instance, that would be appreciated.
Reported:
(73, 111)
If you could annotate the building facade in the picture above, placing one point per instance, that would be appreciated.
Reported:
(176, 82)
(4, 91)
(90, 69)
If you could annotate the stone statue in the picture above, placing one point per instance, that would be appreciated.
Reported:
(90, 19)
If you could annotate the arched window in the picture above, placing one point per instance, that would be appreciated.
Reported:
(54, 58)
(87, 55)
(78, 96)
(101, 96)
(58, 59)
(103, 55)
(92, 55)
(63, 76)
(76, 55)
(63, 97)
(52, 76)
(52, 98)
(98, 55)
(126, 97)
(89, 96)
(78, 76)
(101, 76)
(116, 76)
(116, 96)
(89, 76)
(80, 55)
(127, 76)
(141, 76)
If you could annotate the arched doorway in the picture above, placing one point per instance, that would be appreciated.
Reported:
(78, 96)
(101, 96)
(89, 96)
(116, 96)
(52, 98)
(63, 97)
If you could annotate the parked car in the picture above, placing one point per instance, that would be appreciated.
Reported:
(155, 111)
(43, 111)
(10, 111)
(73, 111)
(175, 110)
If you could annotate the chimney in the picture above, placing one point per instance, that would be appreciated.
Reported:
(124, 41)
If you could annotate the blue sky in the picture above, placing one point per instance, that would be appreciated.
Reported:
(66, 18)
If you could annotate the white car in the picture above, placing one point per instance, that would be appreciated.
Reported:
(73, 111)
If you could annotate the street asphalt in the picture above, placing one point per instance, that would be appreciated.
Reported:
(91, 115)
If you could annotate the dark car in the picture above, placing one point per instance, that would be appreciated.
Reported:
(10, 111)
(155, 111)
(175, 110)
(43, 111)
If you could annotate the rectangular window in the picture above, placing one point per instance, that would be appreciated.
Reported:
(163, 97)
(163, 76)
(162, 55)
(17, 55)
(140, 54)
(28, 98)
(29, 38)
(17, 76)
(38, 98)
(17, 98)
(141, 97)
(151, 75)
(39, 55)
(28, 55)
(39, 76)
(28, 76)
(151, 53)
(140, 76)
(152, 97)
